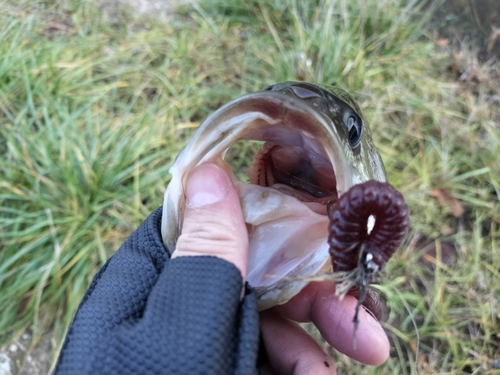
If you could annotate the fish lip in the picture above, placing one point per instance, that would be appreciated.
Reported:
(236, 121)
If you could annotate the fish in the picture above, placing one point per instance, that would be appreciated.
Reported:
(317, 146)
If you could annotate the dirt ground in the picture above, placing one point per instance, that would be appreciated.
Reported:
(18, 357)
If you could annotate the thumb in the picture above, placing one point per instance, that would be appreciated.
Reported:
(213, 221)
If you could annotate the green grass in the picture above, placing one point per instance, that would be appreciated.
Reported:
(96, 102)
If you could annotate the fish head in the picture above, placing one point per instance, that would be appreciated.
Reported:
(351, 136)
(317, 146)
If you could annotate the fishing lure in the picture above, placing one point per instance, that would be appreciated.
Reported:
(367, 225)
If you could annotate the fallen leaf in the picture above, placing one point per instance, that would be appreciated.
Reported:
(448, 254)
(494, 35)
(429, 247)
(446, 230)
(58, 25)
(448, 201)
(421, 357)
(442, 42)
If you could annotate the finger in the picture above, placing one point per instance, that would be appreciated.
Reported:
(333, 318)
(213, 221)
(290, 349)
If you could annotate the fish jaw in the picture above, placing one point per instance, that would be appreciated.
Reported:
(286, 238)
(271, 116)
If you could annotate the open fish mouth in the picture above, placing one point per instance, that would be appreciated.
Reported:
(297, 171)
(316, 147)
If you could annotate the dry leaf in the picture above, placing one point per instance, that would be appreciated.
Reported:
(442, 42)
(448, 201)
(59, 25)
(428, 247)
(448, 254)
(446, 230)
(421, 357)
(494, 36)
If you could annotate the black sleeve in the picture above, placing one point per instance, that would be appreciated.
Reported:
(147, 314)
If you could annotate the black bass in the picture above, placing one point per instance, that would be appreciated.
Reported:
(317, 147)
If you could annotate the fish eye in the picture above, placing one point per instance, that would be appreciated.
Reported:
(354, 129)
(269, 88)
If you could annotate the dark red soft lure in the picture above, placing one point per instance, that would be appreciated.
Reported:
(367, 225)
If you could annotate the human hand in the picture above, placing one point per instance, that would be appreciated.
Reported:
(291, 350)
(213, 225)
(146, 313)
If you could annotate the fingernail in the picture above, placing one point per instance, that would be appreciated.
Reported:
(206, 184)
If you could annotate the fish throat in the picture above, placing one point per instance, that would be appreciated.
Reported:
(295, 171)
